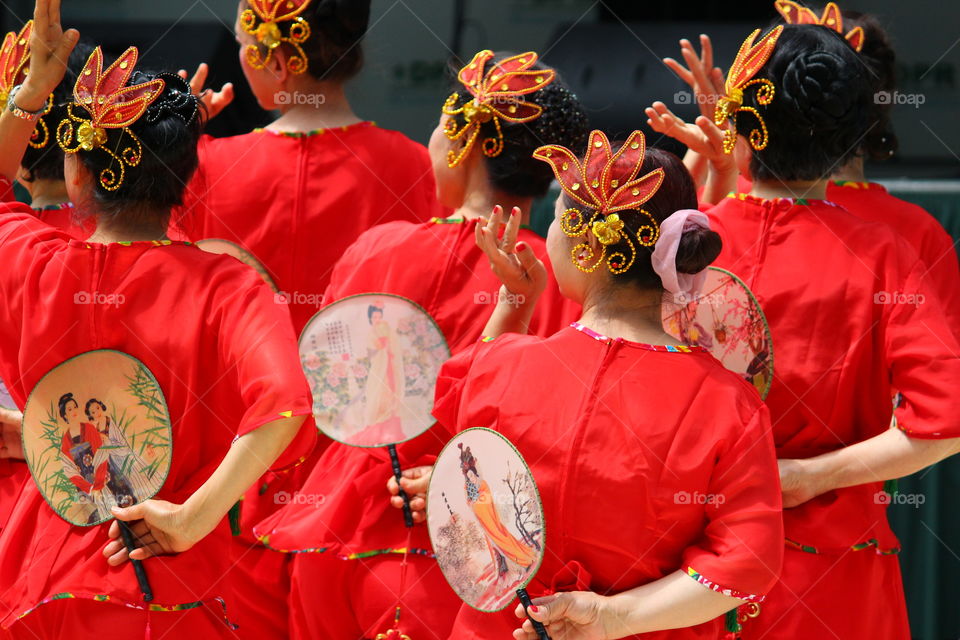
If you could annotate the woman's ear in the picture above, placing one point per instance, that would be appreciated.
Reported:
(277, 66)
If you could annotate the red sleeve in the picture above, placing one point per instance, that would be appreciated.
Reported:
(741, 550)
(923, 358)
(256, 337)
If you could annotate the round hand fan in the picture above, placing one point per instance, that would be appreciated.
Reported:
(96, 434)
(225, 247)
(727, 320)
(486, 520)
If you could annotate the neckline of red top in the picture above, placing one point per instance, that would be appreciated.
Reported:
(315, 132)
(853, 184)
(746, 197)
(664, 348)
(131, 243)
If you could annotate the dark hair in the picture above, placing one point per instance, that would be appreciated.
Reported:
(46, 163)
(371, 310)
(92, 401)
(337, 27)
(698, 247)
(877, 53)
(819, 111)
(64, 400)
(563, 122)
(168, 132)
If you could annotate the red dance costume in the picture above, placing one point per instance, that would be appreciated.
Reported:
(657, 433)
(841, 296)
(456, 287)
(303, 200)
(230, 367)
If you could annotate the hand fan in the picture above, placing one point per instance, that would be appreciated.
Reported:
(727, 320)
(96, 434)
(486, 521)
(225, 247)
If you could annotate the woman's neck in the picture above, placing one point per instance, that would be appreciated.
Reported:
(481, 198)
(627, 313)
(107, 233)
(314, 105)
(48, 193)
(794, 189)
(852, 171)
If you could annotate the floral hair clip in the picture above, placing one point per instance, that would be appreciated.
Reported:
(750, 59)
(14, 55)
(794, 13)
(262, 20)
(606, 182)
(497, 95)
(110, 104)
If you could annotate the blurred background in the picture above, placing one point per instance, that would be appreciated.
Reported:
(609, 51)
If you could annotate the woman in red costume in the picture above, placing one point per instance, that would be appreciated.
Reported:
(477, 162)
(229, 373)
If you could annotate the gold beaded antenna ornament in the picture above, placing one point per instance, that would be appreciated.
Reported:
(497, 95)
(606, 183)
(111, 104)
(14, 55)
(832, 18)
(263, 19)
(750, 59)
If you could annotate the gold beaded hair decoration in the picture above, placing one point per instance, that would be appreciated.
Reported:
(110, 104)
(832, 18)
(497, 95)
(14, 55)
(262, 20)
(606, 182)
(750, 59)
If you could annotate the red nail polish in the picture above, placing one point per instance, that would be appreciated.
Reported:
(534, 609)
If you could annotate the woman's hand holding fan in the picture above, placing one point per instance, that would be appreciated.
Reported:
(414, 482)
(573, 615)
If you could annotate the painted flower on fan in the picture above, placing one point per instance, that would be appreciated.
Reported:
(608, 231)
(329, 399)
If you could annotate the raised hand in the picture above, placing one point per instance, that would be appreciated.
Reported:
(706, 81)
(214, 101)
(50, 48)
(514, 263)
(703, 137)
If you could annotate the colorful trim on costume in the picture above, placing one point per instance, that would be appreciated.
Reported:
(805, 202)
(733, 593)
(54, 207)
(851, 184)
(315, 132)
(131, 605)
(265, 541)
(872, 542)
(665, 348)
(452, 220)
(134, 243)
(487, 339)
(915, 434)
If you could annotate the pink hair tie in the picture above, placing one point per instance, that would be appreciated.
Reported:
(685, 287)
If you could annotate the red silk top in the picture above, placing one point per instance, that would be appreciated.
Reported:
(853, 319)
(227, 365)
(439, 266)
(648, 461)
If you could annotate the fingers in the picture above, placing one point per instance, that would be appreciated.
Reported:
(682, 72)
(182, 73)
(392, 486)
(714, 135)
(65, 47)
(511, 232)
(199, 78)
(418, 484)
(136, 512)
(486, 234)
(719, 80)
(41, 16)
(694, 64)
(706, 50)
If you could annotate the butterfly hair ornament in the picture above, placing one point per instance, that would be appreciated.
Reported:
(109, 105)
(832, 18)
(750, 59)
(14, 56)
(606, 183)
(497, 95)
(263, 20)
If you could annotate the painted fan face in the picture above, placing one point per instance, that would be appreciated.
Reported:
(372, 362)
(727, 320)
(485, 519)
(225, 247)
(96, 434)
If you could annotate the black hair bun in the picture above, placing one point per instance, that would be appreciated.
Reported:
(818, 84)
(698, 249)
(349, 17)
(177, 100)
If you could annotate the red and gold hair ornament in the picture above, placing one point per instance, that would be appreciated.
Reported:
(750, 59)
(605, 182)
(110, 104)
(262, 20)
(794, 13)
(14, 55)
(497, 95)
